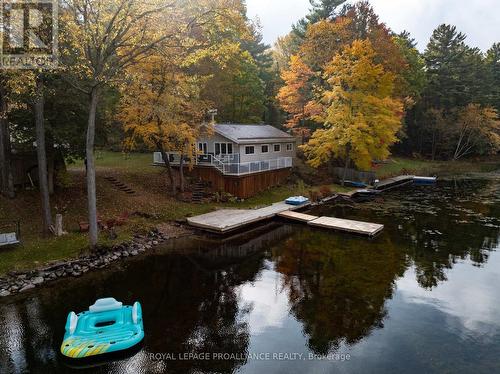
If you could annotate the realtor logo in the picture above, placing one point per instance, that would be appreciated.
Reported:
(28, 34)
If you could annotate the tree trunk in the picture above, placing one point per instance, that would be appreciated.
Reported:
(347, 161)
(59, 230)
(181, 173)
(91, 182)
(51, 154)
(170, 175)
(42, 156)
(6, 178)
(50, 174)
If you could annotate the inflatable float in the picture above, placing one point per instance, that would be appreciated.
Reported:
(108, 326)
(296, 200)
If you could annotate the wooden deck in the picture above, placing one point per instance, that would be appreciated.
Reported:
(225, 220)
(296, 216)
(357, 227)
(363, 228)
(390, 183)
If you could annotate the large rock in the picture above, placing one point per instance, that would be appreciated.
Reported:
(27, 287)
(37, 280)
(4, 293)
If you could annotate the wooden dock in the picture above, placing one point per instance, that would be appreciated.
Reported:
(225, 220)
(339, 224)
(296, 216)
(390, 183)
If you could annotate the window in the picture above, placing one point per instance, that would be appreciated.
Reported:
(203, 148)
(289, 146)
(277, 148)
(265, 148)
(249, 150)
(223, 148)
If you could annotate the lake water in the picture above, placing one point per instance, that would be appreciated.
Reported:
(423, 297)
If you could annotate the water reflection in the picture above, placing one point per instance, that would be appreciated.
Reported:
(338, 293)
(437, 226)
(291, 288)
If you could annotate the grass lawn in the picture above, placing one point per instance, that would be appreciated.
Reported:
(397, 166)
(151, 200)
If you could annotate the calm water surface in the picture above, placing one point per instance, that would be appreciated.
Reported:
(424, 296)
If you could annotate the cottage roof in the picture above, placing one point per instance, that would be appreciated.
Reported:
(244, 134)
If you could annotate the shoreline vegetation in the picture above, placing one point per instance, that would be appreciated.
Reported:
(150, 206)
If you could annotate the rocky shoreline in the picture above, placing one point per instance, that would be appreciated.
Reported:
(16, 282)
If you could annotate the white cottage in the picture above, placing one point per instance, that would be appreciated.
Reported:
(255, 154)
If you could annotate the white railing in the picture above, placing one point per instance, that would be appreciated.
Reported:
(157, 158)
(228, 167)
(257, 166)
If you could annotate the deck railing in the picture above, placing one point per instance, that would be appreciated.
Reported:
(229, 165)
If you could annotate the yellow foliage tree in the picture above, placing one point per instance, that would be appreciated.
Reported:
(361, 118)
(162, 104)
(162, 109)
(478, 131)
(294, 96)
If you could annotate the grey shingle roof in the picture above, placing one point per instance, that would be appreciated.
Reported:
(240, 133)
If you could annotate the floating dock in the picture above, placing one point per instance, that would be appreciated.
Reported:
(296, 216)
(390, 183)
(339, 224)
(225, 220)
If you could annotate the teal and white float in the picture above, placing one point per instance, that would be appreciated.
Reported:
(296, 200)
(108, 326)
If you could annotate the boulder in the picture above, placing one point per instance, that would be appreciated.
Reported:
(27, 287)
(37, 280)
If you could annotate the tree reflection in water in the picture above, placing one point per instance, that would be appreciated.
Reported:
(336, 285)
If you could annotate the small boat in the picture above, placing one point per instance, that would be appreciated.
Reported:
(296, 200)
(108, 326)
(424, 181)
(355, 184)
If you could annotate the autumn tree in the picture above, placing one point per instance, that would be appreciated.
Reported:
(328, 37)
(284, 48)
(161, 108)
(361, 117)
(107, 36)
(169, 92)
(295, 97)
(477, 131)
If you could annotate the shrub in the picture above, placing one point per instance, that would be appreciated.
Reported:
(325, 191)
(314, 196)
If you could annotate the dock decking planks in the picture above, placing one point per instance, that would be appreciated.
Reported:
(297, 216)
(389, 183)
(357, 227)
(225, 220)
